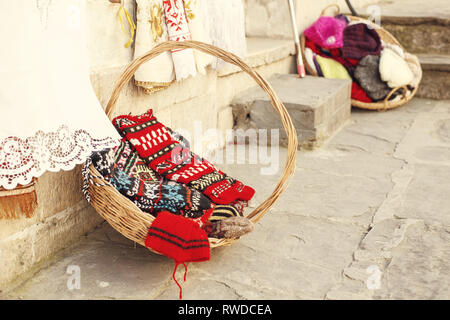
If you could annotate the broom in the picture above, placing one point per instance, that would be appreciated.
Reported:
(300, 65)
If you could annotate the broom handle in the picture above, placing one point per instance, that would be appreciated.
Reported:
(300, 66)
(352, 10)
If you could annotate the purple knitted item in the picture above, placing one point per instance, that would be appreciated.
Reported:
(360, 41)
(327, 32)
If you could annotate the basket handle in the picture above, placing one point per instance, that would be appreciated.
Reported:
(330, 6)
(289, 169)
(386, 100)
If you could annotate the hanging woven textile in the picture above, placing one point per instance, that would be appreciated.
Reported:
(158, 73)
(51, 118)
(178, 29)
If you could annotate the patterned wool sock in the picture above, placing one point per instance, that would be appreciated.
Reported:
(154, 143)
(230, 228)
(103, 161)
(128, 160)
(223, 211)
(155, 197)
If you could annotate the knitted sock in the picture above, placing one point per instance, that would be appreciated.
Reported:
(128, 160)
(221, 212)
(155, 197)
(103, 161)
(154, 143)
(230, 228)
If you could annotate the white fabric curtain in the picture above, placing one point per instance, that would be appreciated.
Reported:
(51, 118)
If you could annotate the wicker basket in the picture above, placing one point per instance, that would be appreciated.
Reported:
(128, 219)
(387, 38)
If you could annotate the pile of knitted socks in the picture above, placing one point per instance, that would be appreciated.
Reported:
(152, 193)
(124, 169)
(170, 159)
(190, 198)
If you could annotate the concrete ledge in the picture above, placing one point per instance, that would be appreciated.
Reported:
(434, 62)
(262, 51)
(317, 106)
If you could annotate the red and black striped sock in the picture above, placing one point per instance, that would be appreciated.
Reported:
(154, 143)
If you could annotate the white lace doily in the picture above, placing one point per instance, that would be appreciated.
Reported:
(50, 116)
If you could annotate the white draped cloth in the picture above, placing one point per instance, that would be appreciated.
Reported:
(197, 12)
(157, 73)
(50, 116)
(225, 22)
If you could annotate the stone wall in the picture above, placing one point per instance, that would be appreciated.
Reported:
(270, 18)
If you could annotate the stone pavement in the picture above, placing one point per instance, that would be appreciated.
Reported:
(367, 216)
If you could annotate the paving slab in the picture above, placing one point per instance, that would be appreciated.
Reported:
(365, 217)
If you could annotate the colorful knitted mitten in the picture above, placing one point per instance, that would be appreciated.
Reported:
(154, 143)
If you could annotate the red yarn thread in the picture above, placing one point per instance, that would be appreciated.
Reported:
(174, 279)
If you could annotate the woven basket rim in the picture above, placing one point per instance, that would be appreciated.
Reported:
(127, 218)
(386, 36)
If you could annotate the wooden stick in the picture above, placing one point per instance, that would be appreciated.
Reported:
(300, 66)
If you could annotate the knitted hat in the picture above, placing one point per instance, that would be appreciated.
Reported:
(179, 238)
(368, 76)
(394, 69)
(359, 41)
(326, 32)
(332, 69)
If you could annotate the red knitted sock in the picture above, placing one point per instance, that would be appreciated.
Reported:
(153, 142)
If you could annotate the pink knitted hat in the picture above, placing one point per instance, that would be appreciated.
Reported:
(326, 32)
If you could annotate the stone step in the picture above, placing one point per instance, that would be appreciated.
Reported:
(318, 108)
(420, 26)
(436, 76)
(428, 35)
